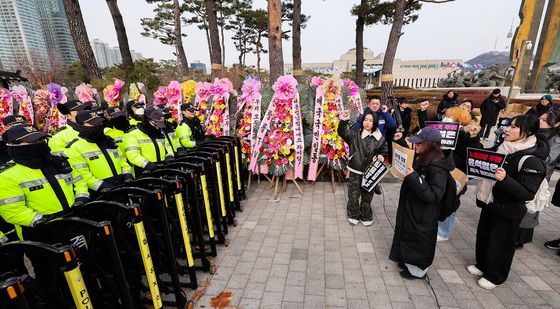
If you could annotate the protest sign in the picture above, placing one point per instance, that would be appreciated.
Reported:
(402, 158)
(461, 179)
(449, 132)
(373, 175)
(483, 163)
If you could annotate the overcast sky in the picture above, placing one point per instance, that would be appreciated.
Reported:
(461, 29)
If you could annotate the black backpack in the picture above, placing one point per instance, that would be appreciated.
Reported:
(450, 201)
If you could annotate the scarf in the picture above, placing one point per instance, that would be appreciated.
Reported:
(484, 188)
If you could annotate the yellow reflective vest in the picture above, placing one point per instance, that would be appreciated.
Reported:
(184, 135)
(94, 163)
(58, 142)
(140, 149)
(25, 193)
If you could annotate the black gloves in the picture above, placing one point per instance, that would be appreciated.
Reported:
(81, 200)
(104, 186)
(150, 166)
(128, 177)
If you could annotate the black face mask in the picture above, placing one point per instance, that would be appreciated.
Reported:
(149, 129)
(92, 134)
(74, 125)
(120, 123)
(32, 155)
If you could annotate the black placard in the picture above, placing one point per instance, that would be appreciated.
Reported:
(373, 174)
(449, 132)
(483, 163)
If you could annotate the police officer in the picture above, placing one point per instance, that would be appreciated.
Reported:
(96, 156)
(145, 145)
(117, 124)
(190, 131)
(9, 121)
(169, 130)
(135, 110)
(34, 186)
(67, 133)
(35, 183)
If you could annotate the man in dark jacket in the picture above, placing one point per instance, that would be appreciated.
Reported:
(490, 109)
(544, 106)
(450, 99)
(384, 118)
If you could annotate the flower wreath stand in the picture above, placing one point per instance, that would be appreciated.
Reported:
(41, 108)
(328, 150)
(217, 121)
(203, 93)
(6, 106)
(55, 120)
(247, 117)
(279, 142)
(19, 93)
(112, 93)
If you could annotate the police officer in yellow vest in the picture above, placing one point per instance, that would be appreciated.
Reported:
(145, 146)
(117, 125)
(34, 186)
(135, 110)
(190, 130)
(169, 130)
(67, 133)
(35, 183)
(96, 156)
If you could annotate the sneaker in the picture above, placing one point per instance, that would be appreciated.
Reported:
(485, 284)
(367, 223)
(474, 271)
(553, 244)
(405, 274)
(353, 221)
(401, 265)
(377, 189)
(441, 238)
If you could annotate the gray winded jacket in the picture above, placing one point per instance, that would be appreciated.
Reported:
(363, 146)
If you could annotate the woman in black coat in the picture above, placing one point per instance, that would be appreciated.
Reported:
(503, 201)
(422, 191)
(450, 99)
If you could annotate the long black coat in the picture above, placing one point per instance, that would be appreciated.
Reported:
(490, 110)
(417, 215)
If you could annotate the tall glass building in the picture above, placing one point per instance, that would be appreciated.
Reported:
(56, 32)
(21, 36)
(35, 33)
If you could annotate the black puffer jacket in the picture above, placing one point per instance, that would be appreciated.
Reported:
(420, 200)
(540, 109)
(517, 188)
(490, 110)
(362, 150)
(447, 103)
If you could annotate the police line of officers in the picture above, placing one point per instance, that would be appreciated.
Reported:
(98, 149)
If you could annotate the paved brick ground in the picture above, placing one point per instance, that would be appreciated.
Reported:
(300, 252)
